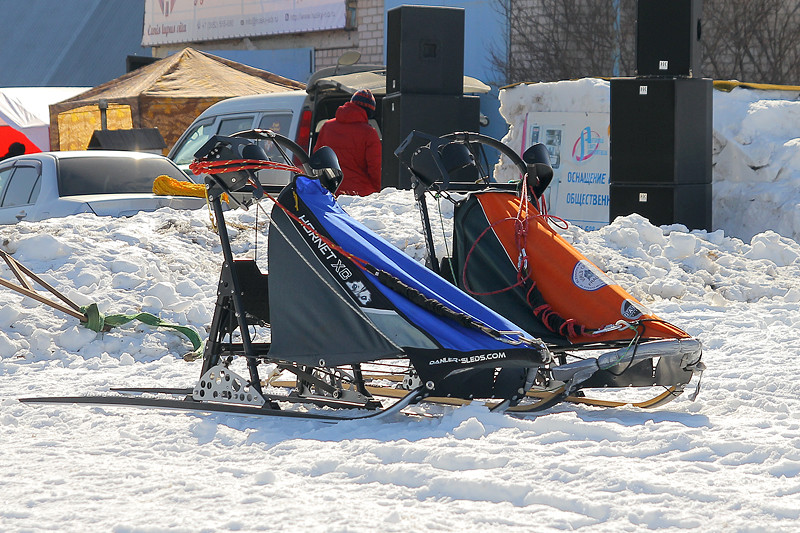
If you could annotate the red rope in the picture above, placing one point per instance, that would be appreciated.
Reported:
(216, 167)
(213, 167)
(566, 327)
(521, 225)
(464, 281)
(547, 217)
(521, 232)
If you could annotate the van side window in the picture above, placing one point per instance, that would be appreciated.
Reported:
(278, 123)
(230, 126)
(201, 132)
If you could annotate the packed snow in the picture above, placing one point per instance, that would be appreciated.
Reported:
(729, 461)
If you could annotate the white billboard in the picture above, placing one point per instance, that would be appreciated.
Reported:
(579, 154)
(182, 21)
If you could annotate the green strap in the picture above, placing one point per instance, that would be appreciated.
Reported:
(96, 321)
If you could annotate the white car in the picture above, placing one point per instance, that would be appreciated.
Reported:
(44, 185)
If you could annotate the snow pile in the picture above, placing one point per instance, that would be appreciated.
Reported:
(685, 466)
(757, 162)
(727, 462)
(756, 140)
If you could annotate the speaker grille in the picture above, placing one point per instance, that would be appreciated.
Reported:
(432, 114)
(661, 130)
(687, 204)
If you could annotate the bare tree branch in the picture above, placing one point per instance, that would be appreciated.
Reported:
(749, 40)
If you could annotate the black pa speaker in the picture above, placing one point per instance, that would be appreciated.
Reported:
(668, 37)
(425, 50)
(661, 130)
(432, 114)
(134, 62)
(687, 204)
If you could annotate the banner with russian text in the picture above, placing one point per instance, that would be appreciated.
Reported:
(579, 153)
(183, 21)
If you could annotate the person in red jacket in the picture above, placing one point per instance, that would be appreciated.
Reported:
(356, 145)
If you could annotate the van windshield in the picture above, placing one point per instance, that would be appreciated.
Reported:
(197, 137)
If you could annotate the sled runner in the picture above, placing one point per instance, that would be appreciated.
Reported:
(346, 326)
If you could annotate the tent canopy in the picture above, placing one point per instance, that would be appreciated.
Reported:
(25, 115)
(167, 95)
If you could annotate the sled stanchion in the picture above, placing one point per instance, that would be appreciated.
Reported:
(236, 296)
(16, 268)
(432, 262)
(41, 299)
(26, 288)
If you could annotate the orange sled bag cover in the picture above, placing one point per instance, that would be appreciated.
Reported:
(571, 284)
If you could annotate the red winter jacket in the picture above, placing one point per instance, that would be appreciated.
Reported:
(358, 148)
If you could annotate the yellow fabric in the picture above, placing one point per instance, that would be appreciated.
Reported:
(166, 186)
(76, 126)
(729, 85)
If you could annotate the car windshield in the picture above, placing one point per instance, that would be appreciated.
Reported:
(102, 175)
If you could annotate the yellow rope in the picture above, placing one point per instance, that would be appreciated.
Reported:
(166, 186)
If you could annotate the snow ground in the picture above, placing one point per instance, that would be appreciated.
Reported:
(729, 461)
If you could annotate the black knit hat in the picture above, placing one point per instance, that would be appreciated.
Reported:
(365, 99)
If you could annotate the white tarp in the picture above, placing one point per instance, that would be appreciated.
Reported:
(169, 22)
(27, 110)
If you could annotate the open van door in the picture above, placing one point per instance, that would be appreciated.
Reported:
(330, 87)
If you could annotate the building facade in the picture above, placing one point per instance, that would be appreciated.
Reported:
(364, 32)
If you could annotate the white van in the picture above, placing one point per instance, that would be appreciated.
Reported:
(280, 112)
(295, 114)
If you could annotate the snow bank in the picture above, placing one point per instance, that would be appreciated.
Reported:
(686, 466)
(756, 154)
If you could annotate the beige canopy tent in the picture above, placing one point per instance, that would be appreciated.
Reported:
(167, 94)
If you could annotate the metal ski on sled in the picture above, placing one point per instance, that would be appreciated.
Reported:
(187, 403)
